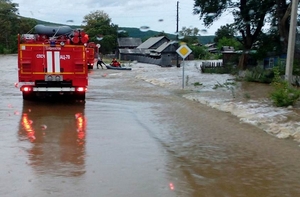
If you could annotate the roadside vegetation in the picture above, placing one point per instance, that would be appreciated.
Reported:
(284, 94)
(11, 24)
(248, 34)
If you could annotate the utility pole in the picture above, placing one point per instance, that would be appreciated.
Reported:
(177, 23)
(291, 43)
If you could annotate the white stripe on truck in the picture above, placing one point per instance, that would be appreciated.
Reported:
(56, 61)
(49, 62)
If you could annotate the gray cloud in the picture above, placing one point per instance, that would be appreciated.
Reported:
(157, 14)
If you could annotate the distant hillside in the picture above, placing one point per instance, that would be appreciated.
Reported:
(206, 39)
(137, 33)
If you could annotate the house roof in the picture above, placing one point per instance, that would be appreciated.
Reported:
(129, 42)
(165, 45)
(212, 49)
(150, 42)
(227, 48)
(210, 45)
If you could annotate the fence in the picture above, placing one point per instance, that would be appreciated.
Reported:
(211, 63)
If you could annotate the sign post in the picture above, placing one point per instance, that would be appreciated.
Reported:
(183, 51)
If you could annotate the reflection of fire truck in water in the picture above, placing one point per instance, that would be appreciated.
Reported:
(52, 62)
(58, 137)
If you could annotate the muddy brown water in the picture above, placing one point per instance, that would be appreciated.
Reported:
(133, 139)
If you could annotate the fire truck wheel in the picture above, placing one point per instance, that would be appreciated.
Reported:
(28, 95)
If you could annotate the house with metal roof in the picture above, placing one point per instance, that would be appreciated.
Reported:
(129, 42)
(167, 52)
(156, 50)
(153, 42)
(211, 47)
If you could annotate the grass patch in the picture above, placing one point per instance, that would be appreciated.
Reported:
(198, 84)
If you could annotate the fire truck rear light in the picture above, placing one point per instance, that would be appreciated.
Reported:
(26, 89)
(80, 89)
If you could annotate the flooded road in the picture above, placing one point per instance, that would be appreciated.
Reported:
(131, 139)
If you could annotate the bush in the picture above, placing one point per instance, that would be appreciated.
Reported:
(198, 84)
(220, 70)
(284, 94)
(6, 51)
(257, 74)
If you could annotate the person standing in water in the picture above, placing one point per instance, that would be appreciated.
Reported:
(99, 61)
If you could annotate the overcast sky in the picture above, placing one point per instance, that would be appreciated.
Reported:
(159, 15)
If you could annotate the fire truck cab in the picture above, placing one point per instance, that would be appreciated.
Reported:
(52, 63)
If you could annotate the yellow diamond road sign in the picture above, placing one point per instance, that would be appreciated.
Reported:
(184, 51)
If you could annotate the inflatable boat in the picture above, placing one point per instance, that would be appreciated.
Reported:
(117, 68)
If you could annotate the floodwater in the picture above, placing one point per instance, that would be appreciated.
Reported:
(131, 139)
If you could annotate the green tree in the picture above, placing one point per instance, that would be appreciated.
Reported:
(189, 31)
(8, 21)
(280, 25)
(266, 44)
(189, 35)
(200, 52)
(249, 18)
(281, 21)
(100, 29)
(229, 42)
(224, 31)
(25, 25)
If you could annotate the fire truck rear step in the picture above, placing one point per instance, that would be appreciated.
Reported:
(54, 89)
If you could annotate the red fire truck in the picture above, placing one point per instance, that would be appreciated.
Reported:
(52, 62)
(92, 52)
